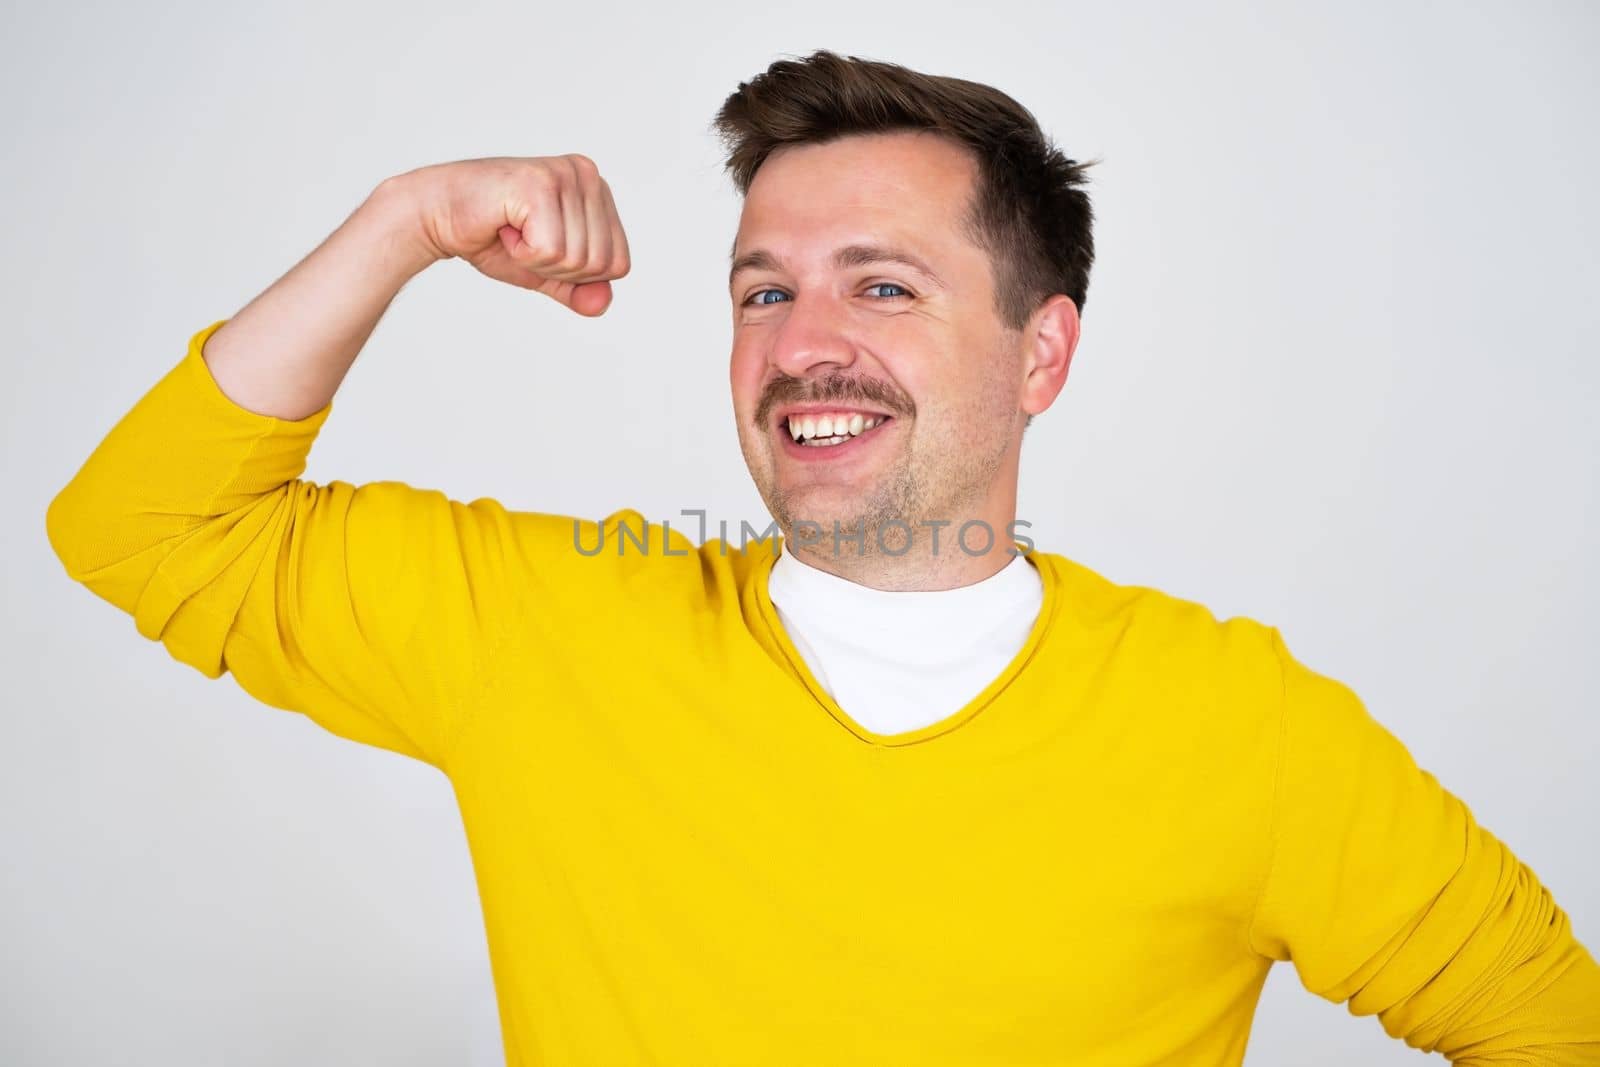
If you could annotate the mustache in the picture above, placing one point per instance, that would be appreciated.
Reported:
(831, 388)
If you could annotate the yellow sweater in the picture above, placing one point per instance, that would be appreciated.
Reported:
(688, 854)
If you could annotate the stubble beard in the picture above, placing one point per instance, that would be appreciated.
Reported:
(896, 514)
(878, 520)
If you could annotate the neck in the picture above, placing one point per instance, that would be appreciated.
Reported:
(908, 556)
(919, 568)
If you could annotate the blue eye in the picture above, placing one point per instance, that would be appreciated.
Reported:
(755, 297)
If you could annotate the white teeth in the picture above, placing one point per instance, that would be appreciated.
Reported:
(831, 429)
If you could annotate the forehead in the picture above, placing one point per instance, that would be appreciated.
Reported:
(908, 184)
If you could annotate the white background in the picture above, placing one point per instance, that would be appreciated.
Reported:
(1338, 374)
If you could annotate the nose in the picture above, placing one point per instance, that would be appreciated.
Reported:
(812, 335)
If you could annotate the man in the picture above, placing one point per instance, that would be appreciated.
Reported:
(884, 790)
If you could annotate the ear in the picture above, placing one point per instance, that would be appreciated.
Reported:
(1050, 340)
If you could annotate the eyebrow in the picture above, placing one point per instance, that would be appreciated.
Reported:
(843, 259)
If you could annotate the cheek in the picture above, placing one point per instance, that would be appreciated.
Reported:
(964, 402)
(744, 376)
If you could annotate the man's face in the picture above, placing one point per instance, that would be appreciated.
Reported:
(925, 359)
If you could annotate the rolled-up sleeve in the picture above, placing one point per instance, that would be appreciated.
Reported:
(1386, 894)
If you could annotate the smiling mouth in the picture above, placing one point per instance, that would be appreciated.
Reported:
(828, 431)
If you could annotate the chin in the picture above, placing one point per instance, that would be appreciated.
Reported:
(826, 505)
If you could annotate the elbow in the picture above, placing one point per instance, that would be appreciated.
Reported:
(63, 525)
(77, 530)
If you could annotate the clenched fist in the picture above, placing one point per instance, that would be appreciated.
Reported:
(545, 222)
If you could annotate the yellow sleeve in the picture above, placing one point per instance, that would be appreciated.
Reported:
(1385, 892)
(376, 610)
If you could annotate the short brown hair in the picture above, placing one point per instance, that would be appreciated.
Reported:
(1028, 210)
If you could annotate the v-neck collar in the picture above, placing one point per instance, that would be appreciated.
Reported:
(797, 667)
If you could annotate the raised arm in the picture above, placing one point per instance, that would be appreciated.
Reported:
(546, 223)
(377, 610)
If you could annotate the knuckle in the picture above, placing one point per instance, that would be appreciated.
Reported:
(542, 181)
(581, 163)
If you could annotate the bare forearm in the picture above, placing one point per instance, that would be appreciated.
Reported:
(287, 351)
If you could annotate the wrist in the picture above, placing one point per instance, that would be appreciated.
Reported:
(391, 214)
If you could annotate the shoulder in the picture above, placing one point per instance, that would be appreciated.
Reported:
(659, 564)
(1173, 643)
